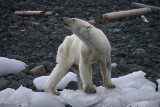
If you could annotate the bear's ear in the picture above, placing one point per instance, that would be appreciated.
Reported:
(88, 27)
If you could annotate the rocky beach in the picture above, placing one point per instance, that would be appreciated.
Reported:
(35, 39)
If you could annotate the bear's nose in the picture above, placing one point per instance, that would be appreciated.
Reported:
(62, 19)
(65, 18)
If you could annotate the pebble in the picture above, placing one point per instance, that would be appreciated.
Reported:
(139, 53)
(72, 85)
(15, 85)
(151, 79)
(35, 23)
(15, 48)
(6, 34)
(113, 49)
(129, 67)
(49, 66)
(116, 30)
(26, 82)
(48, 13)
(4, 84)
(19, 76)
(120, 54)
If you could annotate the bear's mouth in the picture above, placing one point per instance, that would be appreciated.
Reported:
(64, 24)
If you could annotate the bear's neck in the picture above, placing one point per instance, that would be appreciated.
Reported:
(96, 42)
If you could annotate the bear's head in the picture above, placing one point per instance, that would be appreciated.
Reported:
(77, 26)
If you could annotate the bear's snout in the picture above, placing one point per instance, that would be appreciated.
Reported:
(66, 18)
(66, 21)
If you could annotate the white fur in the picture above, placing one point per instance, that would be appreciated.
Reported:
(86, 46)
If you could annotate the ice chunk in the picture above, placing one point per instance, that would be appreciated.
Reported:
(132, 90)
(79, 98)
(9, 105)
(20, 96)
(40, 81)
(114, 65)
(42, 99)
(25, 97)
(133, 80)
(111, 102)
(7, 92)
(4, 94)
(152, 103)
(10, 66)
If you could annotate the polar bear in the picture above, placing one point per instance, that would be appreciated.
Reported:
(79, 51)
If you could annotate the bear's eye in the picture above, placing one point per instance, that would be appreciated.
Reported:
(73, 20)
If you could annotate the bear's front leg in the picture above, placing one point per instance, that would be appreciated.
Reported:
(105, 65)
(86, 76)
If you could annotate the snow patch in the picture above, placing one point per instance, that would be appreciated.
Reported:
(40, 81)
(8, 66)
(25, 97)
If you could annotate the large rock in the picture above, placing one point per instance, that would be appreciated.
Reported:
(140, 53)
(38, 71)
(121, 54)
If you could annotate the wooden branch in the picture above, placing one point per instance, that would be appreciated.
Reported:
(27, 13)
(121, 14)
(139, 5)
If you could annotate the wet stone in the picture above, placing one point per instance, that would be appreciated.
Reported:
(4, 84)
(72, 85)
(15, 85)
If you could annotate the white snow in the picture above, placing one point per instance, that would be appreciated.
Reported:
(8, 66)
(114, 65)
(40, 81)
(155, 103)
(132, 90)
(25, 97)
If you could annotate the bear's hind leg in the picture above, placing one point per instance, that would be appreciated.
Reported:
(86, 76)
(56, 75)
(76, 70)
(106, 72)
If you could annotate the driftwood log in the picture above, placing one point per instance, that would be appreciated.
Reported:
(26, 13)
(121, 14)
(139, 5)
